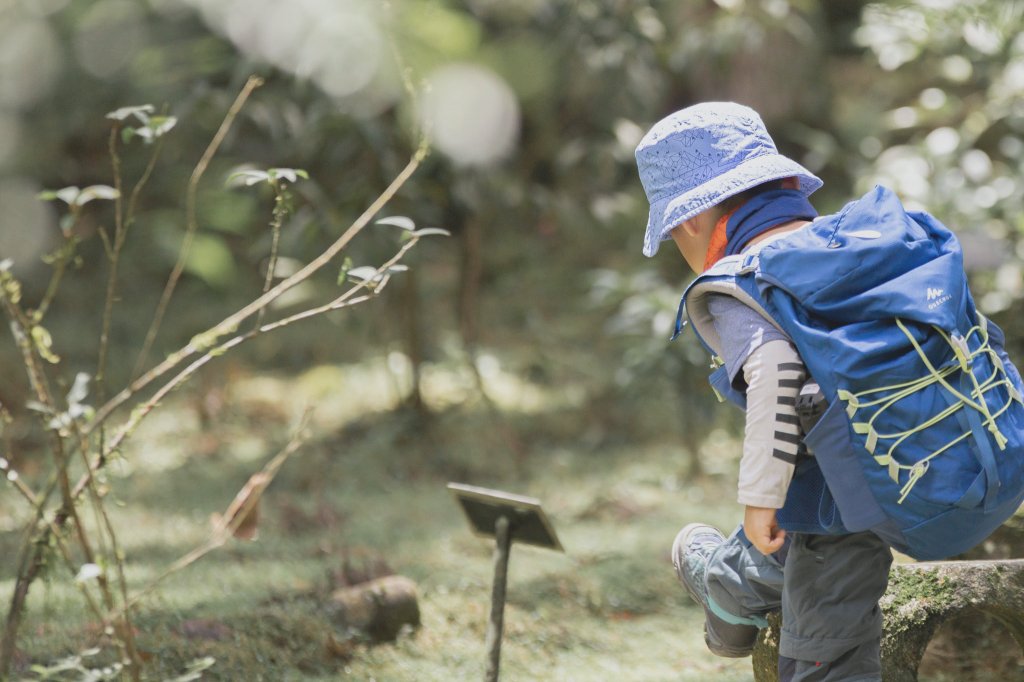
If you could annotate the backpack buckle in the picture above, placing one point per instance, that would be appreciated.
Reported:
(748, 264)
(962, 351)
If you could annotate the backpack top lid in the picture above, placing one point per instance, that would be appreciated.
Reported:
(872, 260)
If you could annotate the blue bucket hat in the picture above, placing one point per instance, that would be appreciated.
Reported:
(701, 155)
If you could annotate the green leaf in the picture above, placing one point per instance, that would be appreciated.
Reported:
(127, 133)
(364, 273)
(398, 221)
(156, 127)
(81, 412)
(44, 344)
(271, 175)
(95, 192)
(432, 231)
(37, 406)
(79, 390)
(162, 124)
(73, 196)
(65, 194)
(343, 273)
(140, 112)
(247, 178)
(68, 194)
(86, 573)
(292, 175)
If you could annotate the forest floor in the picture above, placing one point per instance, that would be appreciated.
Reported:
(369, 489)
(367, 494)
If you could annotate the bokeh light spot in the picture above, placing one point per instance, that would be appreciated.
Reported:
(30, 59)
(110, 34)
(10, 131)
(472, 114)
(942, 141)
(27, 227)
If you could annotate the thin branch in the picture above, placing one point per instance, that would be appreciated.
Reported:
(336, 304)
(21, 326)
(15, 480)
(129, 217)
(125, 629)
(275, 229)
(113, 255)
(124, 219)
(63, 257)
(192, 224)
(345, 300)
(234, 516)
(232, 322)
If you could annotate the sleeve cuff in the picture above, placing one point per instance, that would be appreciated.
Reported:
(766, 501)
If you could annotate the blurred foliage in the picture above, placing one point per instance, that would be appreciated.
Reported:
(536, 106)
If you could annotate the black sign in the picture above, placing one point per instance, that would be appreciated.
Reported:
(527, 522)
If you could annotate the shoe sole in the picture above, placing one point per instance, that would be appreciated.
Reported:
(682, 539)
(746, 633)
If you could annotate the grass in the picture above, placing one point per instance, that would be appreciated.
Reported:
(371, 488)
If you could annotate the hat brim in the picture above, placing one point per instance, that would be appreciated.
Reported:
(665, 215)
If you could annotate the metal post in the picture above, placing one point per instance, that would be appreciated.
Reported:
(503, 543)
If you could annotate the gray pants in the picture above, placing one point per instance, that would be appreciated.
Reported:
(827, 586)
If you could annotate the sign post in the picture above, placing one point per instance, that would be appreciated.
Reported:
(507, 518)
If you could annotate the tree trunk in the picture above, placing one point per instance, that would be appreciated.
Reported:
(922, 596)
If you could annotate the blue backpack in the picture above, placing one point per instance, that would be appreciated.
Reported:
(923, 438)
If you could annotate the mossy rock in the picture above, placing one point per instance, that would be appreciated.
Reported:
(920, 598)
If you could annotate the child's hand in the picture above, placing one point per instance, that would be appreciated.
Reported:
(762, 530)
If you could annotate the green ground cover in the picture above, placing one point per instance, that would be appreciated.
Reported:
(367, 494)
(370, 486)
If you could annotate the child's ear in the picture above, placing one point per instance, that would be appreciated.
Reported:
(689, 227)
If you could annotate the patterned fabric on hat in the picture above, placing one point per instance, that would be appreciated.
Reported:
(695, 158)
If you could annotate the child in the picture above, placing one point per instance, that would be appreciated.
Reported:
(717, 186)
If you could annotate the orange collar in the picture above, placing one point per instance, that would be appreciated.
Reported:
(716, 249)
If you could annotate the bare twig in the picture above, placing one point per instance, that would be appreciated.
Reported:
(60, 264)
(32, 554)
(123, 221)
(280, 210)
(373, 285)
(192, 224)
(206, 346)
(237, 512)
(113, 255)
(32, 557)
(231, 323)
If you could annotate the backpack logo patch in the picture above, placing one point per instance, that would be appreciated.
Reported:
(937, 297)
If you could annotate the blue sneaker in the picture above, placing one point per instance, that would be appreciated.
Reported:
(691, 551)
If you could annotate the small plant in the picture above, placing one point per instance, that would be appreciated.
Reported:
(78, 420)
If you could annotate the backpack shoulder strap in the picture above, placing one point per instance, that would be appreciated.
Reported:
(725, 277)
